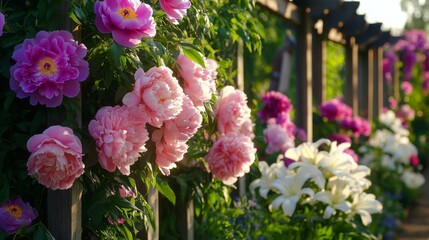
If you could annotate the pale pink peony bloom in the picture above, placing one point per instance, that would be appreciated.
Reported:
(407, 87)
(127, 20)
(120, 135)
(277, 139)
(168, 150)
(232, 112)
(186, 124)
(230, 157)
(200, 83)
(405, 113)
(56, 157)
(175, 9)
(2, 21)
(158, 95)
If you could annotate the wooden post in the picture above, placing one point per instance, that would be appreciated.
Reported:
(186, 217)
(319, 68)
(64, 210)
(304, 106)
(363, 83)
(240, 86)
(378, 82)
(370, 85)
(153, 200)
(351, 75)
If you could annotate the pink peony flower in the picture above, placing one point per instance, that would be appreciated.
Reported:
(186, 124)
(405, 113)
(15, 214)
(407, 88)
(158, 95)
(47, 67)
(283, 119)
(2, 21)
(357, 125)
(414, 160)
(339, 138)
(127, 20)
(353, 154)
(175, 9)
(168, 150)
(56, 157)
(230, 157)
(335, 110)
(425, 83)
(275, 103)
(277, 139)
(120, 135)
(199, 83)
(126, 192)
(232, 112)
(393, 103)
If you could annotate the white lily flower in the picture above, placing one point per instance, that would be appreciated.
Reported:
(268, 175)
(365, 204)
(395, 124)
(290, 189)
(336, 197)
(312, 171)
(307, 152)
(336, 161)
(413, 180)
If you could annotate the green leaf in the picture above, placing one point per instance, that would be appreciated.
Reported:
(194, 55)
(72, 15)
(165, 190)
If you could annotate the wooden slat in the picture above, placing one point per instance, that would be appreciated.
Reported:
(153, 200)
(240, 86)
(352, 75)
(304, 106)
(186, 218)
(285, 9)
(378, 82)
(319, 68)
(370, 85)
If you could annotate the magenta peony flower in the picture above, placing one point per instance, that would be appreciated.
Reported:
(352, 153)
(120, 134)
(335, 110)
(357, 125)
(414, 160)
(389, 62)
(15, 214)
(425, 62)
(230, 157)
(417, 38)
(405, 113)
(127, 20)
(275, 103)
(277, 139)
(301, 134)
(407, 88)
(186, 124)
(175, 9)
(56, 157)
(2, 22)
(283, 119)
(199, 83)
(47, 67)
(409, 59)
(158, 95)
(339, 138)
(168, 150)
(232, 112)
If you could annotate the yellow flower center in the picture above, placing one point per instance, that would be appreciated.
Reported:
(127, 13)
(14, 210)
(47, 66)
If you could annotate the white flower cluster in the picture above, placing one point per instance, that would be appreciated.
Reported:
(330, 177)
(392, 150)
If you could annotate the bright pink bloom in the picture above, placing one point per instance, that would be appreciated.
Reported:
(232, 112)
(425, 83)
(406, 113)
(283, 119)
(175, 9)
(357, 125)
(168, 150)
(275, 103)
(352, 153)
(186, 124)
(335, 110)
(407, 88)
(120, 135)
(339, 138)
(393, 103)
(56, 157)
(47, 67)
(230, 157)
(158, 95)
(2, 21)
(414, 160)
(15, 214)
(126, 192)
(277, 139)
(127, 20)
(200, 83)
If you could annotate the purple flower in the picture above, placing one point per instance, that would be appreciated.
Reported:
(15, 214)
(301, 134)
(389, 62)
(425, 84)
(357, 125)
(175, 9)
(127, 20)
(407, 88)
(335, 110)
(339, 138)
(417, 38)
(1, 23)
(275, 103)
(425, 63)
(47, 67)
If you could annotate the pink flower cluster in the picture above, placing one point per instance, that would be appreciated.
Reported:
(335, 110)
(175, 9)
(47, 67)
(127, 20)
(357, 125)
(199, 82)
(56, 157)
(274, 103)
(232, 154)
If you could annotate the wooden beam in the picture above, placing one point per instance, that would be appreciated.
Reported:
(304, 114)
(284, 8)
(336, 17)
(354, 25)
(383, 39)
(318, 8)
(352, 75)
(370, 35)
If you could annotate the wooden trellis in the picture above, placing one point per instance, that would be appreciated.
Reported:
(316, 22)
